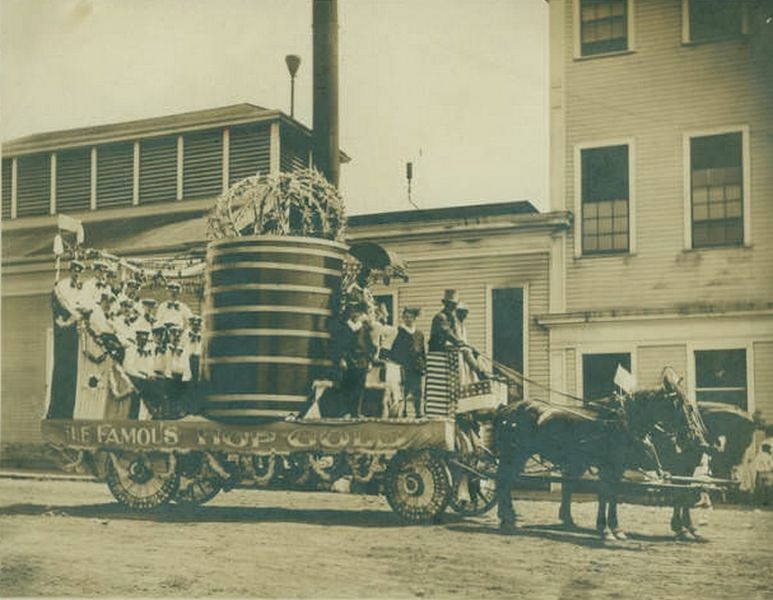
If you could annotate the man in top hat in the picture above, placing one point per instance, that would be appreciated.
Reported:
(408, 351)
(69, 298)
(174, 310)
(443, 330)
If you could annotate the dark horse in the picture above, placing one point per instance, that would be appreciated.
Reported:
(730, 432)
(607, 436)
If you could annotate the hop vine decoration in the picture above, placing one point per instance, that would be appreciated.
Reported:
(297, 203)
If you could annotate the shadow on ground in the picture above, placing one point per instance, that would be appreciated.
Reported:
(219, 514)
(579, 536)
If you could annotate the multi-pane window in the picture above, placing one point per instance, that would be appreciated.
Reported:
(603, 26)
(714, 19)
(716, 177)
(605, 199)
(720, 376)
(598, 373)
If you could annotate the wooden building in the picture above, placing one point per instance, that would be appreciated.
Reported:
(662, 148)
(144, 188)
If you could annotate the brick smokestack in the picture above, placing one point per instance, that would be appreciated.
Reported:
(325, 125)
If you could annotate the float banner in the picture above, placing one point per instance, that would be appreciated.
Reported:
(281, 437)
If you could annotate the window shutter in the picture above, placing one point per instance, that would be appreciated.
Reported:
(250, 151)
(73, 180)
(33, 190)
(115, 174)
(158, 170)
(295, 151)
(7, 170)
(203, 164)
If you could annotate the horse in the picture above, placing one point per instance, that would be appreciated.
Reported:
(730, 431)
(607, 436)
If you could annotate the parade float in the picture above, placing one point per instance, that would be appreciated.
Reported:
(277, 275)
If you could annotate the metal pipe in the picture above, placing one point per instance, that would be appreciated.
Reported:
(325, 123)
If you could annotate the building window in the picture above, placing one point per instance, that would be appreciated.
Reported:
(720, 376)
(710, 20)
(603, 26)
(507, 335)
(716, 176)
(605, 200)
(598, 373)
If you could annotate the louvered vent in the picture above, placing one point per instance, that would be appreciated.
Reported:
(73, 180)
(158, 170)
(249, 150)
(115, 174)
(295, 151)
(7, 166)
(33, 190)
(202, 164)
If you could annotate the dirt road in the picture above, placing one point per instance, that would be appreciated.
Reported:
(63, 538)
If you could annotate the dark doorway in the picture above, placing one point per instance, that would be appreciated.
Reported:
(507, 327)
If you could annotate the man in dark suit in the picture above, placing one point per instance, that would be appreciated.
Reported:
(352, 351)
(443, 332)
(408, 351)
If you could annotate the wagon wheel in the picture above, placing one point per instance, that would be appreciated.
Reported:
(417, 486)
(142, 480)
(474, 493)
(199, 483)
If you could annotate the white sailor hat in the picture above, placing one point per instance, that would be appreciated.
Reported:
(149, 301)
(99, 265)
(76, 265)
(195, 319)
(142, 329)
(174, 285)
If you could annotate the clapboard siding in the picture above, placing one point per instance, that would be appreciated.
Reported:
(23, 366)
(472, 278)
(763, 379)
(249, 151)
(7, 183)
(202, 164)
(33, 189)
(73, 180)
(158, 170)
(651, 361)
(115, 174)
(655, 95)
(570, 373)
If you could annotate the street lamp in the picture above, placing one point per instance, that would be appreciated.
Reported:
(293, 61)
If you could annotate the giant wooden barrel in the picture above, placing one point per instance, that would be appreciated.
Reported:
(267, 304)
